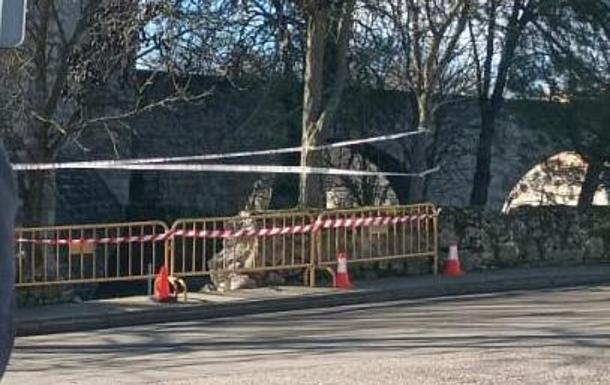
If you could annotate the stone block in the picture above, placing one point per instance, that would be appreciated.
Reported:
(594, 249)
(508, 254)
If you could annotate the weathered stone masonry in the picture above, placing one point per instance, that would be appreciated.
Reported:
(528, 236)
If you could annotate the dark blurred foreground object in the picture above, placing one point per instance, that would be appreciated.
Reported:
(8, 208)
(12, 23)
(12, 34)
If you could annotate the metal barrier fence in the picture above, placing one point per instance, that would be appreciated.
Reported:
(261, 242)
(89, 253)
(378, 234)
(271, 241)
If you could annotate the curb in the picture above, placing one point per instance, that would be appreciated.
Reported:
(437, 287)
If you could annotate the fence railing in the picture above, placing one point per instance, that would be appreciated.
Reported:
(271, 241)
(378, 234)
(275, 241)
(89, 253)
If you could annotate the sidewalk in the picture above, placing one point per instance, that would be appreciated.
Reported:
(132, 311)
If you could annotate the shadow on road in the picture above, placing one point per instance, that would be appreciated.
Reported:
(492, 322)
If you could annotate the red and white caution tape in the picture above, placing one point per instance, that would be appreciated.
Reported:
(333, 223)
(230, 234)
(370, 221)
(105, 240)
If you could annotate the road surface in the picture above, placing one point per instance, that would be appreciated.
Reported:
(543, 337)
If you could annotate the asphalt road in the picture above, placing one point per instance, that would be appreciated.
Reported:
(540, 337)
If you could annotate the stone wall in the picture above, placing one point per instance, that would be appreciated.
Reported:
(251, 118)
(528, 236)
(231, 120)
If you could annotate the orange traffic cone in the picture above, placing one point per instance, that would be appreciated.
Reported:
(452, 267)
(342, 281)
(162, 287)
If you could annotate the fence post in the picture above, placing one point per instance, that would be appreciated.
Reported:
(435, 215)
(169, 256)
(312, 257)
(149, 280)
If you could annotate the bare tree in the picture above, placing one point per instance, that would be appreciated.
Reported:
(225, 38)
(434, 67)
(587, 121)
(520, 45)
(576, 71)
(329, 29)
(77, 58)
(491, 82)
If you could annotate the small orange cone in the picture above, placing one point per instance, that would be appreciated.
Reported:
(453, 267)
(162, 287)
(342, 281)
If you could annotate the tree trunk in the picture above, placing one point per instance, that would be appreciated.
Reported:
(311, 193)
(318, 114)
(521, 14)
(419, 156)
(310, 186)
(482, 175)
(418, 164)
(591, 183)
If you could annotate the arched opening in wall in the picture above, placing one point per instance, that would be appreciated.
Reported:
(340, 191)
(556, 181)
(349, 191)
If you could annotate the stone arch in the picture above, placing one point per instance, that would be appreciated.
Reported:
(527, 162)
(387, 162)
(556, 180)
(517, 149)
(363, 191)
(283, 189)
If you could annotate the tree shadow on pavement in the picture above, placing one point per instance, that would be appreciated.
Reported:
(498, 322)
